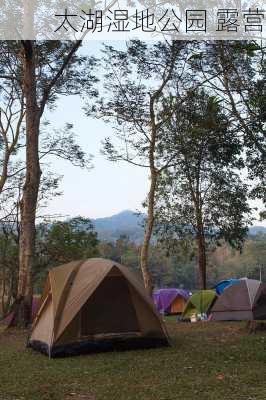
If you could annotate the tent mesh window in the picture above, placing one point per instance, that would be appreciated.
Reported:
(109, 309)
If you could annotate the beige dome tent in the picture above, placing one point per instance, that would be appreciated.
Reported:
(94, 305)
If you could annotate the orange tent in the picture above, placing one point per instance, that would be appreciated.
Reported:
(178, 305)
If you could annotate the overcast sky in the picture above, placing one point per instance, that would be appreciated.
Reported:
(109, 187)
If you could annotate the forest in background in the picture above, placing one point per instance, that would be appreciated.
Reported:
(63, 241)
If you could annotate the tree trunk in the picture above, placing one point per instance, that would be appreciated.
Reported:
(22, 309)
(201, 260)
(147, 236)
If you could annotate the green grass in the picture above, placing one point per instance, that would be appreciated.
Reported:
(207, 361)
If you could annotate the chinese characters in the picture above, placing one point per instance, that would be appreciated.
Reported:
(228, 20)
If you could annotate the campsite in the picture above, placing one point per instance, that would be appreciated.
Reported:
(132, 200)
(204, 359)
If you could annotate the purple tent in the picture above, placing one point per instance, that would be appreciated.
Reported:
(163, 298)
(35, 307)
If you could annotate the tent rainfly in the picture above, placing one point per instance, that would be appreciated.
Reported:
(224, 284)
(245, 300)
(170, 301)
(94, 305)
(199, 303)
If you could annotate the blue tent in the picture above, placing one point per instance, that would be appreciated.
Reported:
(224, 284)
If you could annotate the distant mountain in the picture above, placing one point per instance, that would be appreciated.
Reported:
(131, 224)
(254, 230)
(124, 223)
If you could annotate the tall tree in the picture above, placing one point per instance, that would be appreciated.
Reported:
(202, 197)
(43, 70)
(136, 83)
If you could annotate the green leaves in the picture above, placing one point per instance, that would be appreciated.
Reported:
(71, 240)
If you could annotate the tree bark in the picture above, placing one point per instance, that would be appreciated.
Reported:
(28, 204)
(147, 236)
(201, 259)
(200, 236)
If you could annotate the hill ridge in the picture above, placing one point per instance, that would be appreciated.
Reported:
(130, 223)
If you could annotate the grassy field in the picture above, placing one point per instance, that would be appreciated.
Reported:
(207, 361)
